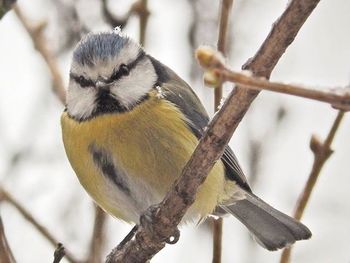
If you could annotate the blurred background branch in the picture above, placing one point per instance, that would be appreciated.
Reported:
(36, 34)
(6, 255)
(225, 10)
(23, 152)
(163, 219)
(217, 72)
(138, 8)
(40, 43)
(5, 6)
(322, 150)
(7, 197)
(98, 238)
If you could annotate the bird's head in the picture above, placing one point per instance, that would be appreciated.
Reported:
(109, 73)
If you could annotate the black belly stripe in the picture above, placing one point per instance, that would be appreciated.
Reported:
(104, 162)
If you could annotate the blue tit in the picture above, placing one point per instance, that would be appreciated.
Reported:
(130, 126)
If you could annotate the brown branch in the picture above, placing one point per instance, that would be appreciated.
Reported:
(201, 29)
(97, 240)
(282, 34)
(217, 73)
(140, 7)
(222, 41)
(158, 225)
(40, 44)
(217, 239)
(226, 6)
(6, 255)
(322, 151)
(6, 196)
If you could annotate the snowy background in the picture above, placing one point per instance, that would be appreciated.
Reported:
(34, 168)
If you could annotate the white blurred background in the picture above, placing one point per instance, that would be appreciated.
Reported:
(272, 142)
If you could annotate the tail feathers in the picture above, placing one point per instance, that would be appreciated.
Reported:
(272, 229)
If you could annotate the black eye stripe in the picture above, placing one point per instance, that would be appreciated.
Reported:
(82, 81)
(124, 69)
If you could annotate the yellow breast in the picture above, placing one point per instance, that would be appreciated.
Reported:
(150, 145)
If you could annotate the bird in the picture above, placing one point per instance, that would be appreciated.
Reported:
(129, 127)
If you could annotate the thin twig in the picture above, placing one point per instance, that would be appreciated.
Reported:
(217, 73)
(322, 151)
(204, 21)
(222, 41)
(98, 237)
(217, 239)
(158, 225)
(40, 44)
(6, 196)
(141, 9)
(282, 34)
(6, 255)
(59, 253)
(226, 6)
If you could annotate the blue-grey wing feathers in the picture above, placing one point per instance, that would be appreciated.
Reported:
(271, 228)
(180, 93)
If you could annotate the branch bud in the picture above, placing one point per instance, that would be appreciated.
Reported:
(209, 58)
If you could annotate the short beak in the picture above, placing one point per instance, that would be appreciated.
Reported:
(102, 85)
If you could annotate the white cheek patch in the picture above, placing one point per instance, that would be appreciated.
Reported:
(80, 101)
(130, 89)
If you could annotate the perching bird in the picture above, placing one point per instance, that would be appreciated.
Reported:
(130, 126)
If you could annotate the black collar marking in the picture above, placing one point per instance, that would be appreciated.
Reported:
(161, 71)
(109, 106)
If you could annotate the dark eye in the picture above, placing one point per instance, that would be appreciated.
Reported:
(84, 82)
(124, 70)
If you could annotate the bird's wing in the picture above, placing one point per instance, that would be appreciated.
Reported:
(181, 94)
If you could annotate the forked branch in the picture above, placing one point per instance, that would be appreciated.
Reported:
(5, 250)
(218, 72)
(40, 44)
(322, 151)
(6, 196)
(225, 10)
(139, 8)
(159, 224)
